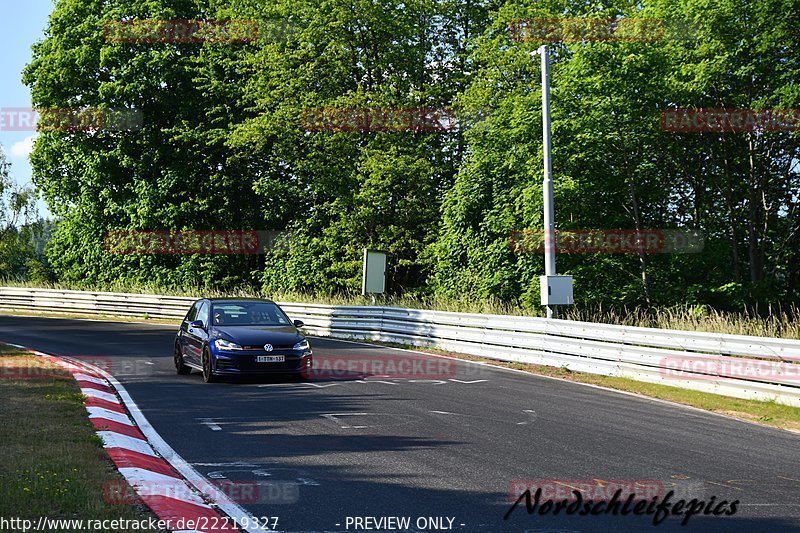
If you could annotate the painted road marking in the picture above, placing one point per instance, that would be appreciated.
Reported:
(267, 471)
(396, 381)
(236, 463)
(220, 474)
(375, 381)
(213, 426)
(334, 417)
(530, 412)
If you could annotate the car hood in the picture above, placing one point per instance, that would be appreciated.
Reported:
(258, 335)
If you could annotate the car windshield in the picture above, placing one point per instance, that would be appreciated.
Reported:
(248, 314)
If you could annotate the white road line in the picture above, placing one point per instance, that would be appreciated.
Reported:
(469, 382)
(237, 463)
(333, 417)
(99, 412)
(117, 440)
(213, 426)
(769, 504)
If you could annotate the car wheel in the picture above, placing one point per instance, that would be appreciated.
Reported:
(208, 371)
(180, 366)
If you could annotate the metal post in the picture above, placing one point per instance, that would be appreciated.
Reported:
(547, 184)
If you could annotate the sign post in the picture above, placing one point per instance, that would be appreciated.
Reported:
(373, 279)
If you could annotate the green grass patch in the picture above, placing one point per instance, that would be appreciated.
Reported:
(54, 464)
(5, 349)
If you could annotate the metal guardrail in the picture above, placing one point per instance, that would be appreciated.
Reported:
(734, 365)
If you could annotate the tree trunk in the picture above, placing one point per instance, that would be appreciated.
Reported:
(737, 270)
(756, 270)
(642, 256)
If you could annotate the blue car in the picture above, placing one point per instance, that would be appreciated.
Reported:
(236, 337)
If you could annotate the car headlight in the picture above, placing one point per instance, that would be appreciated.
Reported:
(301, 346)
(222, 344)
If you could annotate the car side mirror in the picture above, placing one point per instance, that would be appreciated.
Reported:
(298, 323)
(197, 324)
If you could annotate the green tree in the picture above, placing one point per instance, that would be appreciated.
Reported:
(173, 172)
(341, 191)
(19, 232)
(615, 168)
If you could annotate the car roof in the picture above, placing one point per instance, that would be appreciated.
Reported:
(237, 300)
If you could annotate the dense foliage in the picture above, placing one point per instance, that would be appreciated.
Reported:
(222, 145)
(22, 238)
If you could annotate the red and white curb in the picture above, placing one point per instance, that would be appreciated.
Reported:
(146, 461)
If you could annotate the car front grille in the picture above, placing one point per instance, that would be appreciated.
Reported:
(247, 363)
(279, 348)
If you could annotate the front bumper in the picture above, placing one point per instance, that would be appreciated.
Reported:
(244, 362)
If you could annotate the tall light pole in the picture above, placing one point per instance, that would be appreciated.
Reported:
(556, 290)
(547, 183)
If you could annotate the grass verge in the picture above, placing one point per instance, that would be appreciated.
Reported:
(768, 413)
(91, 316)
(55, 465)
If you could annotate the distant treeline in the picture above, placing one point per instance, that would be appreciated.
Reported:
(414, 128)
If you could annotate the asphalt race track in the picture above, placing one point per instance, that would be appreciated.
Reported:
(450, 444)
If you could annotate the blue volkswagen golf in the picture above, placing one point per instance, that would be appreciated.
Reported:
(235, 337)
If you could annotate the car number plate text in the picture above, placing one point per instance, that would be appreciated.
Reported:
(270, 358)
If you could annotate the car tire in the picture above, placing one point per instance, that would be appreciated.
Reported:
(180, 366)
(208, 370)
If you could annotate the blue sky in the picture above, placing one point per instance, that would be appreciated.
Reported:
(24, 24)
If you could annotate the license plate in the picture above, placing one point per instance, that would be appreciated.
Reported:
(270, 358)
